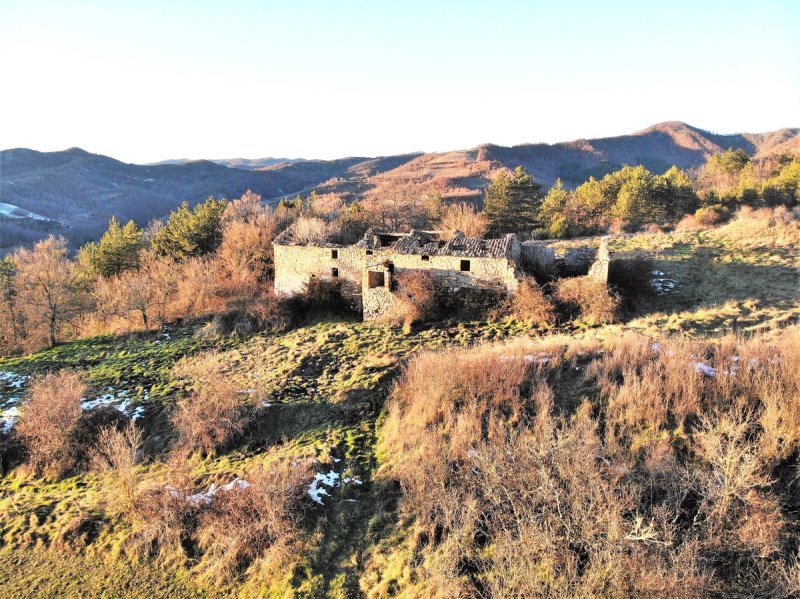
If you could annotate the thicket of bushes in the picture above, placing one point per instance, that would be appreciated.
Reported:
(659, 478)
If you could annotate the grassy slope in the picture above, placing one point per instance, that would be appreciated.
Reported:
(326, 384)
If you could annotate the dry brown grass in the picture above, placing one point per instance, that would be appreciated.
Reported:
(665, 480)
(50, 415)
(592, 300)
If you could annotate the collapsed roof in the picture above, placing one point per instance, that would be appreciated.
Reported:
(423, 243)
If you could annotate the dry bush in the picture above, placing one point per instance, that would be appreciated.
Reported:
(530, 303)
(417, 293)
(689, 223)
(263, 312)
(197, 289)
(593, 301)
(50, 415)
(707, 217)
(321, 296)
(211, 416)
(310, 229)
(736, 505)
(669, 479)
(260, 522)
(505, 491)
(465, 218)
(163, 520)
(116, 454)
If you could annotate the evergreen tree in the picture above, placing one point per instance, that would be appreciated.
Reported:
(512, 202)
(675, 192)
(553, 209)
(636, 200)
(117, 251)
(191, 232)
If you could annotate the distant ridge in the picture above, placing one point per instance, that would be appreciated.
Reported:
(74, 192)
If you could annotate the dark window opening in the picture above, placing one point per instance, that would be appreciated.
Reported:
(465, 266)
(369, 252)
(390, 267)
(335, 254)
(334, 272)
(426, 258)
(375, 279)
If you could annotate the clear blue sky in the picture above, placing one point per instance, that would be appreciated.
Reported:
(144, 81)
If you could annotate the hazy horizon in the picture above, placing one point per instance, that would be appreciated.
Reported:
(145, 83)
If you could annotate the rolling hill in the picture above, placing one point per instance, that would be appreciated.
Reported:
(74, 192)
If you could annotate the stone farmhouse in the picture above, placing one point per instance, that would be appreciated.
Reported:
(366, 269)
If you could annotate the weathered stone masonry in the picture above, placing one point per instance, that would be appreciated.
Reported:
(366, 269)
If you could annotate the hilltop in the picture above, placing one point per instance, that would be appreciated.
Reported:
(673, 496)
(74, 192)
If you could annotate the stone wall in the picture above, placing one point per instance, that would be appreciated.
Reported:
(538, 258)
(295, 265)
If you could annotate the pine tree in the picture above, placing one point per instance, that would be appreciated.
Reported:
(191, 232)
(512, 202)
(117, 251)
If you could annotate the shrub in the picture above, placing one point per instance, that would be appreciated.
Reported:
(508, 498)
(49, 418)
(163, 521)
(259, 522)
(417, 293)
(529, 303)
(710, 215)
(321, 296)
(310, 229)
(116, 453)
(211, 416)
(593, 301)
(264, 312)
(465, 218)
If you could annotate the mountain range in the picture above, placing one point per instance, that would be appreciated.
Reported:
(74, 192)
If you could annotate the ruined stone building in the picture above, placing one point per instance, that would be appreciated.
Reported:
(366, 269)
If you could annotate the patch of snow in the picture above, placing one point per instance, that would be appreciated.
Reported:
(117, 399)
(353, 480)
(705, 369)
(663, 286)
(316, 491)
(207, 496)
(247, 391)
(12, 379)
(8, 418)
(11, 211)
(538, 358)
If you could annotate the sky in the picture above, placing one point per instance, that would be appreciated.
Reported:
(151, 80)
